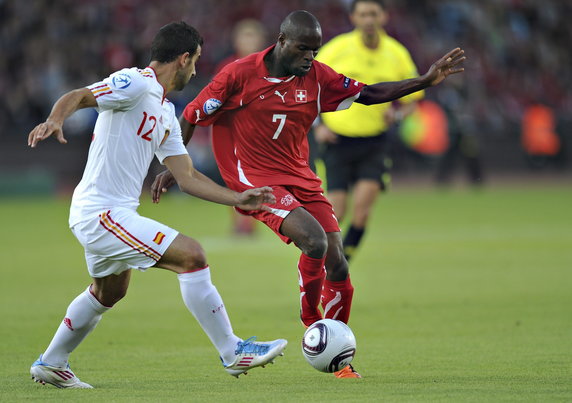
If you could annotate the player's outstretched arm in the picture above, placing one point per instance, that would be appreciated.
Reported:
(389, 91)
(165, 179)
(63, 108)
(256, 199)
(196, 184)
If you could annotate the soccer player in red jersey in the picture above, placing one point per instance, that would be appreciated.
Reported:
(261, 108)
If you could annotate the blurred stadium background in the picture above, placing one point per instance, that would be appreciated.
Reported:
(518, 54)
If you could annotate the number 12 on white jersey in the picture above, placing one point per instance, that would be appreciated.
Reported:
(281, 118)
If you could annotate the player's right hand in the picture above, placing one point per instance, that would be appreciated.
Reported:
(256, 199)
(45, 130)
(161, 184)
(446, 66)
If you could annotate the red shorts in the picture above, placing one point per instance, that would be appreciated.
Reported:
(289, 198)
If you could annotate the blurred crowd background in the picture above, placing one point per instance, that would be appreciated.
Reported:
(518, 52)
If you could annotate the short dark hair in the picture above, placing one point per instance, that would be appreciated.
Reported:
(381, 3)
(173, 40)
(298, 21)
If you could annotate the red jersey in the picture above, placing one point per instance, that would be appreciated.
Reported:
(260, 123)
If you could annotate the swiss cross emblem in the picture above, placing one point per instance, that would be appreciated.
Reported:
(301, 96)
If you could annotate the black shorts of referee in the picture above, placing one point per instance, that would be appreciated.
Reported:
(355, 158)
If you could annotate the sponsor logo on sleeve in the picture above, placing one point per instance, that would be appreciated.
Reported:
(121, 81)
(347, 81)
(211, 105)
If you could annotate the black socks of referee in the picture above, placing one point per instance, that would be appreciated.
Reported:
(352, 240)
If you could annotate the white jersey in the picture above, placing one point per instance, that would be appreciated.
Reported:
(135, 123)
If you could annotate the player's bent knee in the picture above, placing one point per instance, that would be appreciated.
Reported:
(183, 255)
(314, 245)
(109, 298)
(319, 244)
(194, 262)
(195, 257)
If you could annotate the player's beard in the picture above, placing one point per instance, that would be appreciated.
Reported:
(300, 72)
(296, 68)
(181, 80)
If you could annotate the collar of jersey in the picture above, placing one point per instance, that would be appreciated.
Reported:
(263, 71)
(151, 69)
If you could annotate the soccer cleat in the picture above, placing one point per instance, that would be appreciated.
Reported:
(308, 319)
(251, 354)
(347, 372)
(59, 377)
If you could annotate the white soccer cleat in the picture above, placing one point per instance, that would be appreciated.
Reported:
(59, 377)
(251, 354)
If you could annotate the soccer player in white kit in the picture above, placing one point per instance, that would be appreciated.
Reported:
(135, 123)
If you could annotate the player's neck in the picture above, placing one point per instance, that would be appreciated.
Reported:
(272, 63)
(165, 75)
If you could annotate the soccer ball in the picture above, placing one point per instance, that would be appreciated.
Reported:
(329, 345)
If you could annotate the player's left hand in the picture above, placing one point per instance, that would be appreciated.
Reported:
(256, 199)
(161, 184)
(45, 130)
(391, 116)
(446, 66)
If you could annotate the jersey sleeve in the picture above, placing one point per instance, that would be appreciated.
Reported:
(172, 143)
(120, 91)
(337, 92)
(203, 109)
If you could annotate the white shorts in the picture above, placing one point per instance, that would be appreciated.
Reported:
(120, 239)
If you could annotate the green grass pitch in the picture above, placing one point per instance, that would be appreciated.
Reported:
(460, 296)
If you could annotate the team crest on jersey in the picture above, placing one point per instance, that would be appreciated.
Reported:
(167, 132)
(301, 96)
(287, 200)
(121, 81)
(211, 105)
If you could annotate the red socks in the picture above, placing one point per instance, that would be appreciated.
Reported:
(336, 296)
(337, 299)
(311, 275)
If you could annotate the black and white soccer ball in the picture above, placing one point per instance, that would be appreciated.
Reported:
(329, 345)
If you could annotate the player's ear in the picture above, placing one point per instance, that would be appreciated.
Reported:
(383, 18)
(184, 59)
(281, 39)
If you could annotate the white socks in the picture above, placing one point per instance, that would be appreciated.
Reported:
(200, 296)
(82, 316)
(205, 303)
